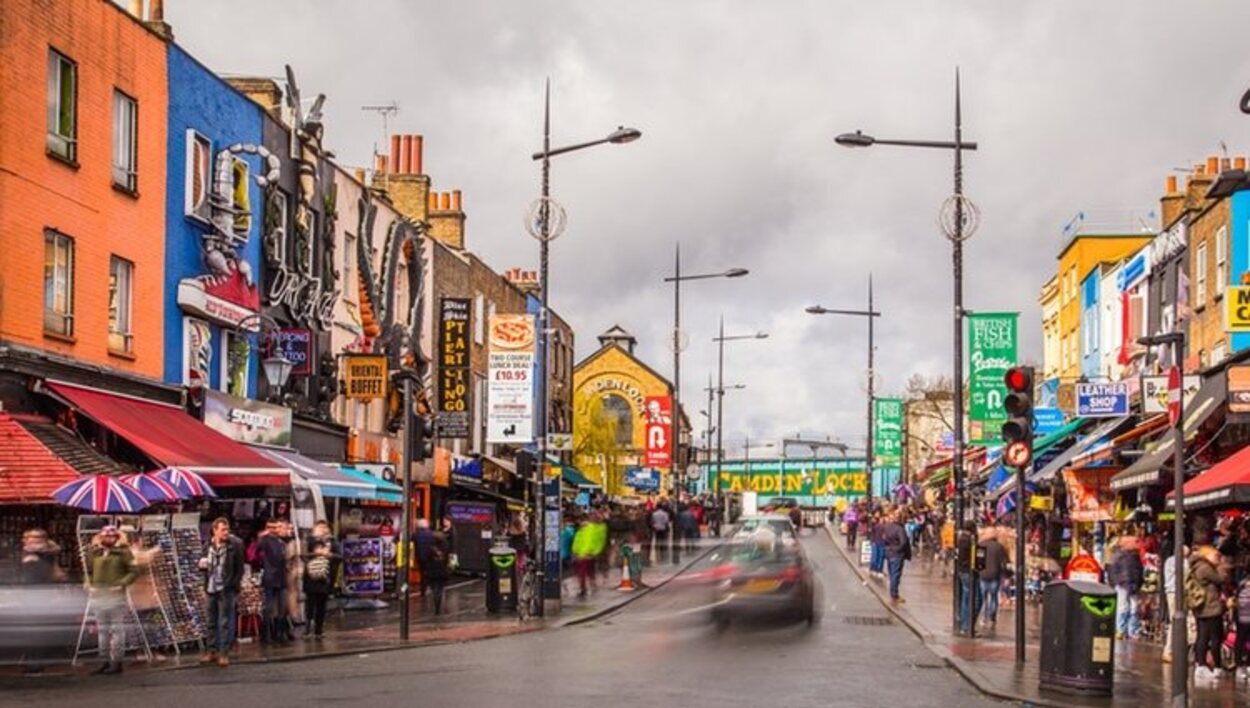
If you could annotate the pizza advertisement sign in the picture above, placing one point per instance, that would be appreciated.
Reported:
(510, 379)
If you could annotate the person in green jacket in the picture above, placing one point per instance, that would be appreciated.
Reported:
(112, 571)
(590, 541)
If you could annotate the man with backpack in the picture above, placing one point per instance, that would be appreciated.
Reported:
(1124, 573)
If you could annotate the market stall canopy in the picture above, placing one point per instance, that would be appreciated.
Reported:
(1153, 466)
(1104, 452)
(1226, 483)
(571, 475)
(972, 453)
(29, 471)
(1052, 441)
(331, 482)
(382, 489)
(171, 438)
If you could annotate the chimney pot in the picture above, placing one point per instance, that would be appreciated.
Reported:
(395, 143)
(418, 145)
(432, 201)
(156, 11)
(405, 155)
(1213, 166)
(135, 8)
(1225, 164)
(455, 200)
(444, 201)
(380, 167)
(360, 174)
(1199, 170)
(1239, 163)
(1171, 185)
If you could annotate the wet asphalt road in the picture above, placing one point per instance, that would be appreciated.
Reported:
(659, 650)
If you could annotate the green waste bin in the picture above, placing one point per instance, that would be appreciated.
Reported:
(501, 580)
(1078, 638)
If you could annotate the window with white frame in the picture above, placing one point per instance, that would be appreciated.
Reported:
(121, 294)
(479, 315)
(125, 142)
(199, 175)
(1221, 261)
(350, 286)
(276, 219)
(62, 106)
(58, 283)
(1200, 275)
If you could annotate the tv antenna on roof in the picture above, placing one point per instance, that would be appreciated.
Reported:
(385, 111)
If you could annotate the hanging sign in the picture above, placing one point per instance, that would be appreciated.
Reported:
(1102, 400)
(659, 431)
(1154, 390)
(1237, 309)
(365, 376)
(454, 419)
(510, 379)
(295, 345)
(1238, 389)
(887, 432)
(991, 351)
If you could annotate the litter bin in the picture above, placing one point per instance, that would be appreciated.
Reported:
(501, 580)
(1078, 638)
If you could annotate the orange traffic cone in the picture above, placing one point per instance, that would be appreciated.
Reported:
(627, 583)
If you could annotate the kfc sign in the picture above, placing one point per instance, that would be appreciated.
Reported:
(659, 416)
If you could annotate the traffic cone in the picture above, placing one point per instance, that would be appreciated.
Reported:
(627, 583)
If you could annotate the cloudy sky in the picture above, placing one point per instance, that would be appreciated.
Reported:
(1077, 106)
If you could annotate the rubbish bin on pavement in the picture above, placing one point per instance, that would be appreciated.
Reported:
(1078, 638)
(501, 580)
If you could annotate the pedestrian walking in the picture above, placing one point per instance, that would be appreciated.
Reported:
(318, 583)
(321, 536)
(897, 548)
(589, 543)
(688, 526)
(422, 542)
(222, 564)
(967, 572)
(269, 557)
(990, 576)
(851, 519)
(876, 560)
(1241, 614)
(660, 522)
(39, 566)
(1202, 591)
(112, 571)
(1169, 587)
(437, 570)
(292, 613)
(1125, 574)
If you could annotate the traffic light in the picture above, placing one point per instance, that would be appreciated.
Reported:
(1018, 429)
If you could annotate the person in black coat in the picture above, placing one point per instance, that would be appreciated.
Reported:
(222, 564)
(271, 559)
(435, 571)
(318, 584)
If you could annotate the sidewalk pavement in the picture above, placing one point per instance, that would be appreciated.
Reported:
(988, 661)
(464, 619)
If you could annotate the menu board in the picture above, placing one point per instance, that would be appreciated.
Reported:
(362, 566)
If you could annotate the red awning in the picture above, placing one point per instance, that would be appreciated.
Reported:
(1225, 483)
(29, 471)
(970, 454)
(172, 438)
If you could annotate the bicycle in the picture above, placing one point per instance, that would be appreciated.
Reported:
(529, 592)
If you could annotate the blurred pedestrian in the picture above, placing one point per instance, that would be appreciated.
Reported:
(688, 527)
(112, 570)
(1125, 573)
(270, 558)
(966, 572)
(876, 560)
(990, 576)
(850, 519)
(897, 549)
(1202, 588)
(39, 566)
(437, 569)
(423, 542)
(222, 564)
(292, 612)
(660, 522)
(318, 583)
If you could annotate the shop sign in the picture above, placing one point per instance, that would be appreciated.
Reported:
(642, 479)
(1090, 497)
(1039, 502)
(295, 345)
(1238, 389)
(365, 376)
(247, 421)
(659, 431)
(992, 348)
(386, 473)
(824, 478)
(362, 566)
(197, 298)
(472, 513)
(1155, 392)
(1237, 309)
(887, 433)
(1102, 400)
(1168, 244)
(466, 470)
(510, 380)
(629, 389)
(367, 446)
(1047, 420)
(560, 442)
(454, 416)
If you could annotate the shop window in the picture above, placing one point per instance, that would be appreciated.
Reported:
(121, 290)
(1221, 261)
(1200, 276)
(276, 225)
(198, 178)
(235, 361)
(58, 283)
(125, 142)
(62, 106)
(479, 314)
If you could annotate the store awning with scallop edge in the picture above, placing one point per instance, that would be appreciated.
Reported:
(1226, 483)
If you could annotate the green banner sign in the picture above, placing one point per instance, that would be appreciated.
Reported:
(992, 349)
(887, 433)
(805, 478)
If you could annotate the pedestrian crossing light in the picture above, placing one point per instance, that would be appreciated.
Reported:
(1018, 429)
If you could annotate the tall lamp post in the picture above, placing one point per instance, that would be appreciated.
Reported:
(713, 426)
(870, 314)
(746, 449)
(958, 219)
(720, 340)
(546, 221)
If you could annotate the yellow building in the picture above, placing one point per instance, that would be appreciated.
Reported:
(1049, 302)
(611, 390)
(1089, 244)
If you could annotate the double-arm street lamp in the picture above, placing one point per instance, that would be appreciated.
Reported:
(870, 314)
(720, 399)
(958, 219)
(545, 222)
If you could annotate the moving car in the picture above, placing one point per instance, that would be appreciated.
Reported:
(762, 578)
(40, 623)
(780, 524)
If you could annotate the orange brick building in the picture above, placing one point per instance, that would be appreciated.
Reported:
(83, 98)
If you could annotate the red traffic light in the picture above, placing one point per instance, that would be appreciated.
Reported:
(1019, 379)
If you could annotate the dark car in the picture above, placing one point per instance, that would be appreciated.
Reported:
(763, 579)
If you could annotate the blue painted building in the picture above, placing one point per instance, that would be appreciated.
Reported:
(1090, 350)
(1239, 262)
(217, 167)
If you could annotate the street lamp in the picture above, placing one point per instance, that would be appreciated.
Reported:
(958, 219)
(720, 399)
(1176, 340)
(545, 209)
(674, 437)
(870, 314)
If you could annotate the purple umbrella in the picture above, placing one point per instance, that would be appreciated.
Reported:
(154, 489)
(101, 494)
(188, 483)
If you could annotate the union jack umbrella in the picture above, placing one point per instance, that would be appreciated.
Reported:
(186, 482)
(101, 494)
(154, 489)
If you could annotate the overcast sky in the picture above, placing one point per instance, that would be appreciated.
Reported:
(1077, 106)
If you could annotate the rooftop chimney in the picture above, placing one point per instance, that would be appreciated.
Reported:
(405, 185)
(156, 19)
(447, 218)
